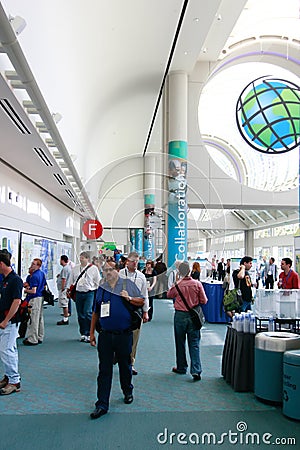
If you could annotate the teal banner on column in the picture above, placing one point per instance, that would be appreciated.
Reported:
(132, 240)
(177, 202)
(149, 201)
(139, 233)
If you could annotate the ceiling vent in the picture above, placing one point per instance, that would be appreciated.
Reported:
(59, 179)
(42, 155)
(14, 116)
(70, 193)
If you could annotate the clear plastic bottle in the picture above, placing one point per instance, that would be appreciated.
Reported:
(234, 322)
(247, 323)
(252, 324)
(239, 325)
(271, 324)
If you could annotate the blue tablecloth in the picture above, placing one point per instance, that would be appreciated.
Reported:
(213, 310)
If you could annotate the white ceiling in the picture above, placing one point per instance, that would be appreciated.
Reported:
(100, 65)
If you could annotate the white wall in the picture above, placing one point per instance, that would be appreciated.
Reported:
(32, 211)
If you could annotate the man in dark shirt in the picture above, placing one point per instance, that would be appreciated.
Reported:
(113, 319)
(10, 298)
(242, 280)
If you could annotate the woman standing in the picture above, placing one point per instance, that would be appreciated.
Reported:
(196, 269)
(151, 277)
(194, 295)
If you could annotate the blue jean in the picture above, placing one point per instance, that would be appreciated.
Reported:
(84, 304)
(246, 306)
(108, 345)
(9, 352)
(184, 328)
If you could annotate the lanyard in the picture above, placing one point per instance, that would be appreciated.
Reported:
(135, 277)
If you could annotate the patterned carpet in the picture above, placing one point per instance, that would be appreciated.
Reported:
(59, 388)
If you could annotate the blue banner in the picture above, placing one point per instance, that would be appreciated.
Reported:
(177, 202)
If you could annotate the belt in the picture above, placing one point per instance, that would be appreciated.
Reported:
(117, 332)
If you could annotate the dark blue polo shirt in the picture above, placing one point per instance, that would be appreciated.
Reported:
(119, 318)
(11, 288)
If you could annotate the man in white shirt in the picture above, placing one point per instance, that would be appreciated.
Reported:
(174, 275)
(62, 283)
(137, 277)
(86, 276)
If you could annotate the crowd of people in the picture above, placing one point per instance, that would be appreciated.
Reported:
(115, 299)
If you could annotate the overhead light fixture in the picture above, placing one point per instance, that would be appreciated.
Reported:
(57, 117)
(18, 24)
(219, 17)
(204, 50)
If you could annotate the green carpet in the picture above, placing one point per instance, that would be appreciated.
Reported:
(59, 388)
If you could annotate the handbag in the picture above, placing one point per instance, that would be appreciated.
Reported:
(196, 312)
(135, 312)
(48, 296)
(71, 291)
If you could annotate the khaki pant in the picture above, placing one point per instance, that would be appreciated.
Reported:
(35, 326)
(136, 336)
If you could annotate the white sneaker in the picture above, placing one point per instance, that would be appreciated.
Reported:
(87, 339)
(82, 338)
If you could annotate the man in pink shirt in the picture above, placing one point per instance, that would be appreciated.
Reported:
(194, 294)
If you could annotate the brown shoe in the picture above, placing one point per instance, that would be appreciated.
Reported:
(4, 382)
(10, 388)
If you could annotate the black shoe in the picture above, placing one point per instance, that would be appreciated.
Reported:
(128, 399)
(62, 322)
(133, 371)
(180, 372)
(26, 342)
(40, 342)
(98, 412)
(196, 376)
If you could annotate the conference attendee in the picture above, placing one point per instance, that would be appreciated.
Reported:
(151, 277)
(62, 282)
(23, 325)
(221, 269)
(184, 328)
(161, 271)
(242, 281)
(11, 286)
(131, 272)
(174, 274)
(270, 273)
(288, 278)
(112, 318)
(35, 326)
(196, 270)
(86, 277)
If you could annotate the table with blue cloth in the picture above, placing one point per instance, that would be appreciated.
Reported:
(213, 310)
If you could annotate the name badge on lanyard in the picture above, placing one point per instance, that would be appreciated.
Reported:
(105, 309)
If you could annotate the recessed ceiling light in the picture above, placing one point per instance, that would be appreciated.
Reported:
(196, 19)
(186, 53)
